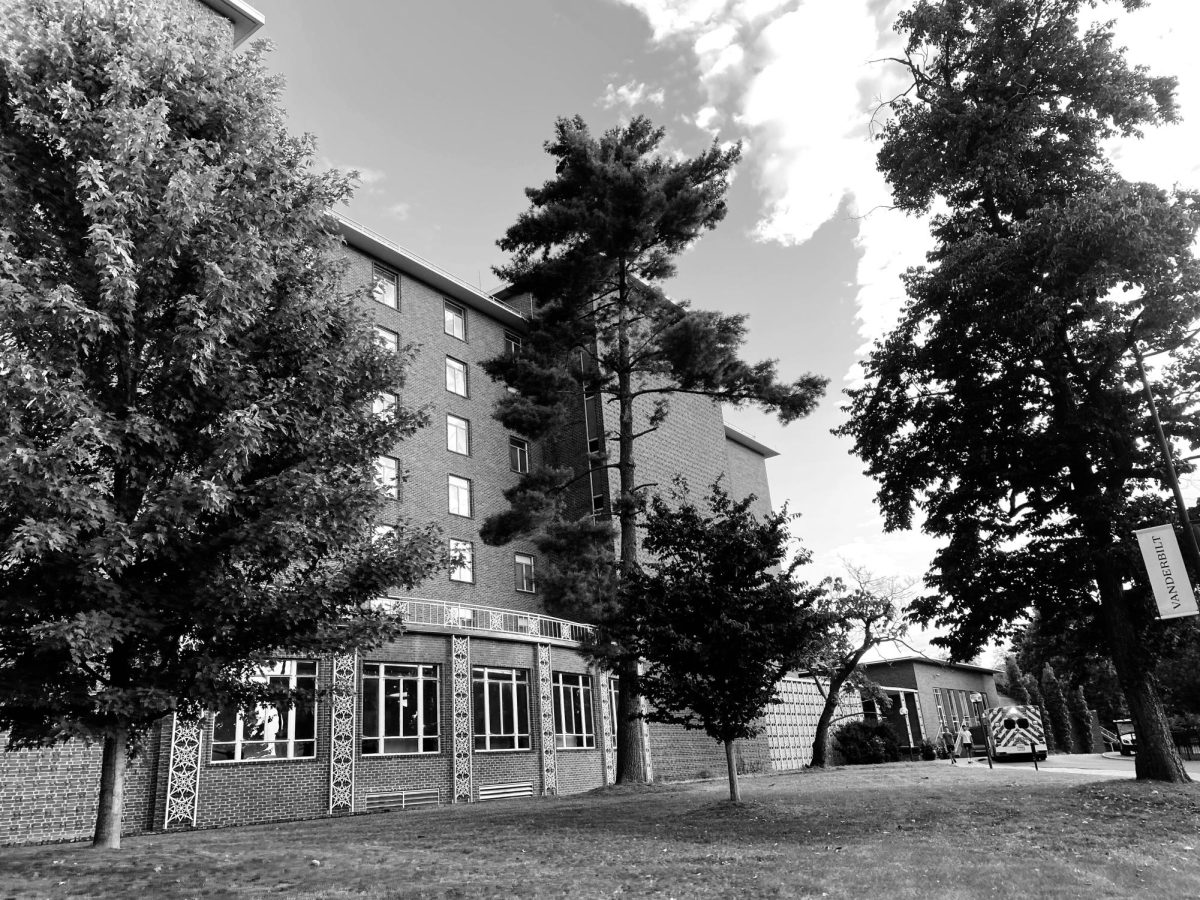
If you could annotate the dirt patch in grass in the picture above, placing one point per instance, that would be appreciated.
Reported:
(898, 831)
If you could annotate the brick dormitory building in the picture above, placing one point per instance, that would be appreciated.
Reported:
(484, 696)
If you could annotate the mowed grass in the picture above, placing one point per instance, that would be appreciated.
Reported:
(895, 831)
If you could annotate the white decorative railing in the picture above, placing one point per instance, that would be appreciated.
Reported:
(416, 611)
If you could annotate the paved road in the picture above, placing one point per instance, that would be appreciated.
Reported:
(1108, 765)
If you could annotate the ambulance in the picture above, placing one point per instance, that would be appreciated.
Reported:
(1015, 732)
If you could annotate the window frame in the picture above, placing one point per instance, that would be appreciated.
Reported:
(512, 344)
(385, 402)
(466, 378)
(380, 274)
(582, 736)
(468, 549)
(454, 492)
(449, 308)
(388, 338)
(518, 448)
(422, 675)
(391, 489)
(290, 720)
(524, 585)
(465, 431)
(512, 687)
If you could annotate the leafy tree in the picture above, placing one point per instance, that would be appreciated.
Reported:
(592, 249)
(1056, 708)
(861, 616)
(1014, 680)
(866, 743)
(1005, 402)
(187, 445)
(1081, 720)
(718, 618)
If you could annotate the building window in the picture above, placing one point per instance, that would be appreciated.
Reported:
(597, 504)
(272, 732)
(523, 563)
(458, 435)
(573, 711)
(459, 495)
(456, 376)
(518, 455)
(512, 344)
(595, 445)
(462, 561)
(456, 321)
(954, 707)
(387, 472)
(385, 404)
(385, 532)
(500, 701)
(384, 288)
(388, 338)
(399, 708)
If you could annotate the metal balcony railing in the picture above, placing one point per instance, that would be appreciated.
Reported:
(415, 612)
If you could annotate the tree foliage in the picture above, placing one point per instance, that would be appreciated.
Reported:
(1081, 720)
(596, 243)
(1014, 685)
(718, 618)
(1005, 402)
(187, 441)
(1056, 709)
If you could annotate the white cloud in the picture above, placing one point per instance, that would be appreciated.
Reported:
(631, 94)
(400, 211)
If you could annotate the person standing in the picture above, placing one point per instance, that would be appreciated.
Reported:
(966, 741)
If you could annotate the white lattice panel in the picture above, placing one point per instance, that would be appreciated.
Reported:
(183, 773)
(546, 704)
(342, 734)
(607, 728)
(792, 721)
(460, 649)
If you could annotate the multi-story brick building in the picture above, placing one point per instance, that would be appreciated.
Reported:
(484, 696)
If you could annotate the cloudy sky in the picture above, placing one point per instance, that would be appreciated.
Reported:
(443, 109)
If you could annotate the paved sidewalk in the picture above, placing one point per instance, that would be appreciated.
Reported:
(1103, 765)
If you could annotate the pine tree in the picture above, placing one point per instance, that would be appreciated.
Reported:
(187, 442)
(1056, 707)
(594, 246)
(1081, 720)
(1014, 680)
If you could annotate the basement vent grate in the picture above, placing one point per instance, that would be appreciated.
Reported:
(506, 791)
(404, 799)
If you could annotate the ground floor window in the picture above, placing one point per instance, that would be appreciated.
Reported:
(573, 711)
(400, 709)
(956, 707)
(500, 702)
(272, 732)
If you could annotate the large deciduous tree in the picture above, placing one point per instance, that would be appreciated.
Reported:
(592, 249)
(1005, 402)
(718, 618)
(187, 440)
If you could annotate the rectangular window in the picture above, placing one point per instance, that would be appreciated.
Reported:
(399, 708)
(462, 561)
(512, 344)
(272, 732)
(388, 338)
(500, 703)
(518, 455)
(387, 472)
(385, 403)
(597, 504)
(595, 445)
(456, 321)
(385, 532)
(573, 711)
(458, 435)
(456, 376)
(459, 495)
(523, 563)
(384, 288)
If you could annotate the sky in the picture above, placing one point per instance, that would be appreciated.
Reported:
(443, 109)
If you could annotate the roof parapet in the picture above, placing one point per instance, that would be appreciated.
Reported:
(245, 18)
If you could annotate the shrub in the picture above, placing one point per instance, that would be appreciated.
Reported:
(928, 751)
(860, 743)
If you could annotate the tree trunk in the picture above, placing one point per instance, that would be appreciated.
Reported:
(1156, 758)
(821, 740)
(735, 790)
(112, 791)
(633, 764)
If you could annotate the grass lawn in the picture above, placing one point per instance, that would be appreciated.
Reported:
(903, 830)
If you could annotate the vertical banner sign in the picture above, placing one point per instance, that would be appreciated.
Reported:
(1164, 564)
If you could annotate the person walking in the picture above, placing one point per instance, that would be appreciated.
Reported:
(966, 741)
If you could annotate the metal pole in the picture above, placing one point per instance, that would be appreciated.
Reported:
(1188, 533)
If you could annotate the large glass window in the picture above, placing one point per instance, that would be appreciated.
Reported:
(518, 455)
(573, 711)
(955, 707)
(458, 435)
(456, 321)
(523, 564)
(456, 376)
(385, 404)
(387, 472)
(400, 710)
(512, 344)
(458, 492)
(384, 288)
(500, 702)
(462, 561)
(272, 732)
(388, 338)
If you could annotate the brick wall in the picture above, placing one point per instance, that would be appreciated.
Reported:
(681, 754)
(747, 475)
